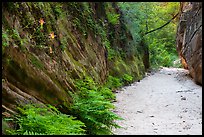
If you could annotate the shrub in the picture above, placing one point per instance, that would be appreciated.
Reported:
(47, 120)
(113, 82)
(127, 79)
(107, 93)
(93, 108)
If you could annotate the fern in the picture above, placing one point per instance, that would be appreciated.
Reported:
(93, 109)
(32, 133)
(113, 82)
(36, 119)
(107, 93)
(127, 79)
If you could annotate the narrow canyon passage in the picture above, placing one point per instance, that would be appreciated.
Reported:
(163, 103)
(63, 61)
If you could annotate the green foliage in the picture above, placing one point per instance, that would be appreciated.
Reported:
(111, 14)
(111, 52)
(142, 17)
(39, 36)
(57, 9)
(32, 133)
(106, 93)
(15, 34)
(113, 82)
(35, 119)
(5, 126)
(89, 84)
(113, 18)
(86, 84)
(127, 79)
(63, 44)
(63, 47)
(134, 18)
(82, 18)
(5, 40)
(91, 106)
(12, 34)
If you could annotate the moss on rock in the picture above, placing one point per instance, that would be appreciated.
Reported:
(46, 67)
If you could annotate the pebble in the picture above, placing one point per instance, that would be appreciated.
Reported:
(139, 111)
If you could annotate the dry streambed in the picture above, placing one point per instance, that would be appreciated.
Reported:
(167, 102)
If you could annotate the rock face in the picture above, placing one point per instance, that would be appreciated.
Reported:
(189, 39)
(47, 46)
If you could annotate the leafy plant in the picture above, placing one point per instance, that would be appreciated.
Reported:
(107, 93)
(111, 52)
(86, 84)
(6, 129)
(57, 9)
(5, 40)
(39, 36)
(113, 82)
(113, 18)
(15, 34)
(92, 107)
(35, 119)
(127, 79)
(32, 133)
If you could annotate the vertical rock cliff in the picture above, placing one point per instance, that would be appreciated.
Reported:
(47, 46)
(189, 38)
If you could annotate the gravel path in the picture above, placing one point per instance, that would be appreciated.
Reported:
(167, 102)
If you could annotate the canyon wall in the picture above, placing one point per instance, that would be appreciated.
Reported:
(189, 39)
(47, 46)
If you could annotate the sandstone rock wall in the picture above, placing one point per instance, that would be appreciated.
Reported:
(39, 67)
(189, 39)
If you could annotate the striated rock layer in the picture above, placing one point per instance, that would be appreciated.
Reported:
(189, 39)
(47, 46)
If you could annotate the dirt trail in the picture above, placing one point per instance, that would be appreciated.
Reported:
(167, 102)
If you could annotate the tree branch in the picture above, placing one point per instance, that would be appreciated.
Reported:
(161, 26)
